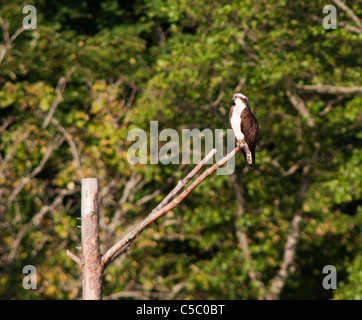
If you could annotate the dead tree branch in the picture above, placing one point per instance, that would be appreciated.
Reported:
(300, 106)
(59, 95)
(329, 105)
(75, 258)
(280, 279)
(58, 141)
(71, 144)
(350, 12)
(167, 204)
(4, 24)
(91, 261)
(36, 220)
(243, 241)
(322, 88)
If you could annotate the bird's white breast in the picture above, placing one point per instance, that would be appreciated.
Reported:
(236, 119)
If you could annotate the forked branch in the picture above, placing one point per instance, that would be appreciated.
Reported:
(6, 45)
(173, 199)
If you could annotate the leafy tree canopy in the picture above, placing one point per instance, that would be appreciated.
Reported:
(72, 89)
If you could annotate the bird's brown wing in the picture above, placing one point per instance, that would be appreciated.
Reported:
(250, 128)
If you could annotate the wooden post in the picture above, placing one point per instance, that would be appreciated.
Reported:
(92, 266)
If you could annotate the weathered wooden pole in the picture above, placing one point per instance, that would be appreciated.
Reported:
(92, 266)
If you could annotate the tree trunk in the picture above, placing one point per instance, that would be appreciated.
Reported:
(92, 266)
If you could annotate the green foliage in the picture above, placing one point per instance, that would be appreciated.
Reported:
(179, 62)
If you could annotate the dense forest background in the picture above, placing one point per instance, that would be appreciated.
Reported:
(72, 89)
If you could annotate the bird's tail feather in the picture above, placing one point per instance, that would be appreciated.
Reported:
(249, 160)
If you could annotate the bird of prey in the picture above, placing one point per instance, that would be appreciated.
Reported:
(245, 127)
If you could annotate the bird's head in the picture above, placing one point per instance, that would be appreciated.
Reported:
(240, 96)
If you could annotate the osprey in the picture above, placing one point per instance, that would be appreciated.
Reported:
(245, 127)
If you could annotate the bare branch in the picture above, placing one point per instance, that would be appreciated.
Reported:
(240, 85)
(35, 220)
(181, 184)
(72, 145)
(154, 194)
(280, 279)
(247, 49)
(69, 140)
(59, 95)
(292, 169)
(161, 34)
(58, 141)
(131, 183)
(73, 257)
(288, 172)
(166, 205)
(133, 94)
(6, 122)
(11, 153)
(350, 12)
(215, 102)
(329, 106)
(149, 197)
(243, 241)
(4, 24)
(350, 28)
(300, 106)
(329, 89)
